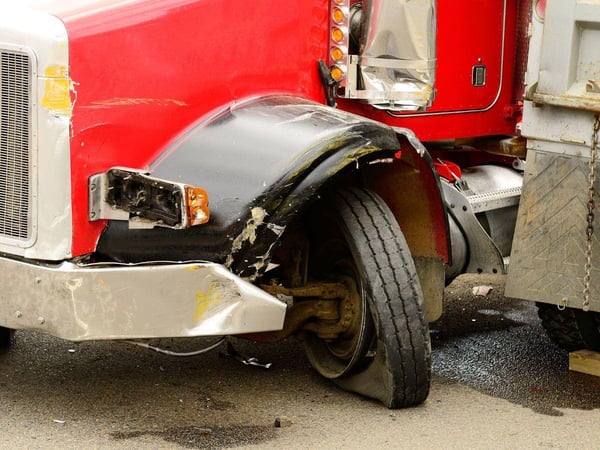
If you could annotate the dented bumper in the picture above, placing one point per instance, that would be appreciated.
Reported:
(92, 302)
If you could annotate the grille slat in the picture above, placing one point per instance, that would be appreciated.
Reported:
(15, 145)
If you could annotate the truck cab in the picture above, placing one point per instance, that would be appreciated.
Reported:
(200, 168)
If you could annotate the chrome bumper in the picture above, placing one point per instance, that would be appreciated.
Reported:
(90, 302)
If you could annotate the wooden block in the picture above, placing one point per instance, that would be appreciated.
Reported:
(585, 361)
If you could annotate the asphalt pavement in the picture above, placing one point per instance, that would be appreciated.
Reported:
(498, 382)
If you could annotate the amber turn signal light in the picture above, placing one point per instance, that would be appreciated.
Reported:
(196, 205)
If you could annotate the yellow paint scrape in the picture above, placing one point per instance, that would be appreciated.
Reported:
(57, 95)
(139, 101)
(205, 300)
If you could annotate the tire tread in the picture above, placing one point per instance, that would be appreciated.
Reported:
(394, 274)
(571, 329)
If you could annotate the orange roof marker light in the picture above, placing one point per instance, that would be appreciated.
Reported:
(338, 35)
(337, 73)
(338, 39)
(338, 15)
(337, 54)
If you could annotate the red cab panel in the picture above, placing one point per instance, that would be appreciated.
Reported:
(474, 74)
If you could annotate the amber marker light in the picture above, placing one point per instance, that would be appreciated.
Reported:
(337, 54)
(338, 40)
(337, 35)
(338, 15)
(196, 205)
(337, 73)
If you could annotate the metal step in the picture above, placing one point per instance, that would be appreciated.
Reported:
(489, 201)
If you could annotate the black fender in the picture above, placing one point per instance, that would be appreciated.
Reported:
(262, 162)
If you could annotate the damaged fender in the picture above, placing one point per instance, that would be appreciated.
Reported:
(262, 163)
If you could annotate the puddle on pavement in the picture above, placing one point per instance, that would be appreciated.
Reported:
(501, 349)
(207, 437)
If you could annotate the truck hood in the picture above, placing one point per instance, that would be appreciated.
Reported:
(70, 11)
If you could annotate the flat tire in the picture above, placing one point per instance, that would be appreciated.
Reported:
(388, 357)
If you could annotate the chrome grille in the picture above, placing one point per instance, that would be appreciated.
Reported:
(15, 145)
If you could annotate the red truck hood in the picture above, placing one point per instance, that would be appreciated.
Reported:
(82, 17)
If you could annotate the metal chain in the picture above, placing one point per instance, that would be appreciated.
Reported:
(589, 232)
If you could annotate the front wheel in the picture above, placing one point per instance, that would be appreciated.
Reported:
(385, 352)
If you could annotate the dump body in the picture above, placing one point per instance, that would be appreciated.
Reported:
(550, 257)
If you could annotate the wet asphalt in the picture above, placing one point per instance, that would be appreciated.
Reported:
(498, 382)
(498, 346)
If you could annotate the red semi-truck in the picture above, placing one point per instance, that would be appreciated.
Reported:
(318, 168)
